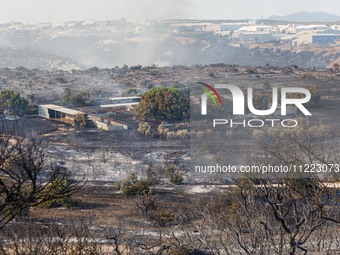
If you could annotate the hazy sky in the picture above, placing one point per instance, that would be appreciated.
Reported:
(35, 11)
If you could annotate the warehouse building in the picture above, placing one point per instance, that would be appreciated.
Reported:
(325, 39)
(255, 37)
(62, 114)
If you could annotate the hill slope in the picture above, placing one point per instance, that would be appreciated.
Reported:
(307, 17)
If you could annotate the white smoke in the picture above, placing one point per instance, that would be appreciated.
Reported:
(154, 9)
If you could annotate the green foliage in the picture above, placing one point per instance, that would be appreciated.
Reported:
(173, 174)
(132, 92)
(67, 96)
(165, 103)
(11, 102)
(133, 186)
(76, 99)
(82, 99)
(58, 186)
(147, 83)
(117, 185)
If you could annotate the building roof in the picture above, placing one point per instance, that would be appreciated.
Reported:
(255, 33)
(61, 109)
(254, 28)
(311, 27)
(320, 35)
(118, 105)
(120, 98)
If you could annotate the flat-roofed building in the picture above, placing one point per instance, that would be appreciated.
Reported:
(311, 28)
(62, 114)
(122, 102)
(231, 26)
(325, 39)
(255, 37)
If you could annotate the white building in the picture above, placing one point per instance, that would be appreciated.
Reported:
(195, 27)
(304, 38)
(256, 28)
(255, 37)
(123, 102)
(231, 26)
(311, 28)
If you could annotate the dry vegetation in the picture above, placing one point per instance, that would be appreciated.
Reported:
(251, 216)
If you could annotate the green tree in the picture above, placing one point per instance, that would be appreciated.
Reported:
(76, 99)
(174, 175)
(26, 176)
(134, 186)
(67, 96)
(164, 103)
(11, 102)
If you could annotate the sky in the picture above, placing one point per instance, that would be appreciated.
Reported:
(37, 11)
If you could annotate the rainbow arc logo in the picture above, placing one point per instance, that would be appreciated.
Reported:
(208, 92)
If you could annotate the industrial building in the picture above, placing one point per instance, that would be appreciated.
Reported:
(304, 38)
(231, 26)
(255, 37)
(256, 28)
(311, 28)
(325, 39)
(62, 114)
(195, 27)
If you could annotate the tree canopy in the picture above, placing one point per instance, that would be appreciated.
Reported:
(165, 103)
(28, 177)
(11, 102)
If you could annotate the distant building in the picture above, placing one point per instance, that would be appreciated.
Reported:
(325, 39)
(284, 38)
(304, 38)
(231, 26)
(195, 27)
(256, 28)
(311, 28)
(77, 118)
(330, 31)
(123, 102)
(62, 114)
(286, 29)
(255, 37)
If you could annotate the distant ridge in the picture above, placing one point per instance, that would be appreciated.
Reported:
(307, 17)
